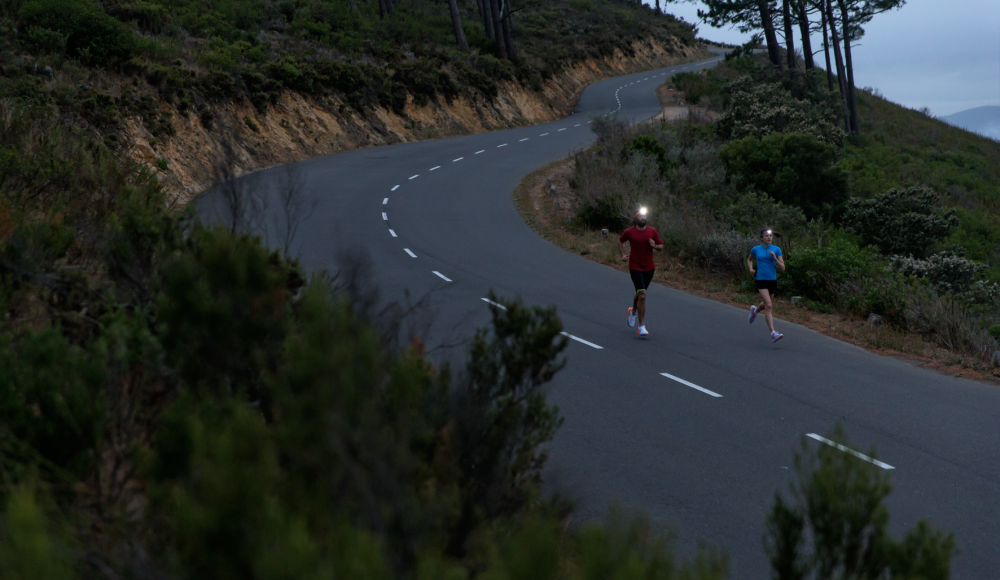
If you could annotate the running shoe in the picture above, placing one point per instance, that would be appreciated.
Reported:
(643, 331)
(631, 317)
(753, 313)
(776, 336)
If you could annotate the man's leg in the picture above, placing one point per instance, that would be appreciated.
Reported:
(766, 307)
(640, 300)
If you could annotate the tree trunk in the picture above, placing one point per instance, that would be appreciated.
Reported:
(495, 17)
(852, 101)
(786, 15)
(826, 51)
(807, 49)
(484, 11)
(456, 22)
(508, 39)
(658, 11)
(840, 61)
(773, 53)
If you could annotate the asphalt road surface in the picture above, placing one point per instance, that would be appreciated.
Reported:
(696, 424)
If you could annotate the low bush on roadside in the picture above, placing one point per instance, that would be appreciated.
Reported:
(836, 524)
(794, 169)
(900, 221)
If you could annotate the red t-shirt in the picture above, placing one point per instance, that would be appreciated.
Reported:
(640, 254)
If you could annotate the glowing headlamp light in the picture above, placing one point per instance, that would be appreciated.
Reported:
(768, 232)
(642, 211)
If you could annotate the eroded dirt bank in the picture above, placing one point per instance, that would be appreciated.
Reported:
(300, 127)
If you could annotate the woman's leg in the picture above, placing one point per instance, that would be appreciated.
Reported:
(766, 307)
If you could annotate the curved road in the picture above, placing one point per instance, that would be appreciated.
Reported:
(695, 425)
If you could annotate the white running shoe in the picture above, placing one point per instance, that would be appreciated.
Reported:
(632, 316)
(643, 331)
(753, 313)
(776, 336)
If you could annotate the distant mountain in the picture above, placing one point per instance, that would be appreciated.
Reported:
(982, 120)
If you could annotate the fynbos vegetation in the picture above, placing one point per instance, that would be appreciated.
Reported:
(888, 223)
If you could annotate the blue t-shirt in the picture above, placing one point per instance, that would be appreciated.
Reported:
(765, 263)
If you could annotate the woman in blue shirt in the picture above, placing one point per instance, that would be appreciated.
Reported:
(769, 260)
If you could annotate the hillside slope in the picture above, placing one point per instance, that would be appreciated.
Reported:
(176, 82)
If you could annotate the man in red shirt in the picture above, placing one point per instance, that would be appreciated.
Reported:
(642, 241)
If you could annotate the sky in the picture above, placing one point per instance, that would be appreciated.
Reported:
(943, 55)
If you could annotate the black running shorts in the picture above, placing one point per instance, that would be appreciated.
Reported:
(641, 278)
(770, 285)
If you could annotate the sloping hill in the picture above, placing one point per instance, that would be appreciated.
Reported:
(176, 82)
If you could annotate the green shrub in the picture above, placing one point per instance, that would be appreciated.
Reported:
(650, 147)
(836, 523)
(223, 310)
(44, 41)
(900, 221)
(52, 410)
(148, 16)
(948, 272)
(727, 251)
(792, 168)
(30, 549)
(91, 35)
(603, 212)
(819, 272)
(760, 106)
(752, 211)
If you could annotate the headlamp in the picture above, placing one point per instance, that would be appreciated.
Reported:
(768, 232)
(642, 211)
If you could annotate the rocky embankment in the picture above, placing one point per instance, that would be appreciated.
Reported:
(300, 127)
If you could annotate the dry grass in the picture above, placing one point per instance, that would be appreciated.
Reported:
(548, 215)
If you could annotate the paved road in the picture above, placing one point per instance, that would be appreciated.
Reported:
(438, 222)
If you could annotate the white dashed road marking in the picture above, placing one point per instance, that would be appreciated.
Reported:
(523, 140)
(850, 451)
(692, 385)
(480, 151)
(415, 176)
(578, 339)
(395, 188)
(499, 146)
(563, 129)
(459, 159)
(498, 305)
(442, 276)
(543, 134)
(577, 125)
(385, 217)
(407, 250)
(385, 201)
(393, 233)
(433, 168)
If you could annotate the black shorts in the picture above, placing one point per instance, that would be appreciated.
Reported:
(641, 278)
(770, 285)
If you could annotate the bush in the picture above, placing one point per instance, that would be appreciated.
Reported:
(52, 413)
(761, 107)
(753, 211)
(792, 168)
(727, 251)
(900, 221)
(91, 35)
(836, 524)
(650, 147)
(949, 273)
(44, 41)
(819, 272)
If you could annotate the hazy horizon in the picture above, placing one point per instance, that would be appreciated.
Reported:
(921, 55)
